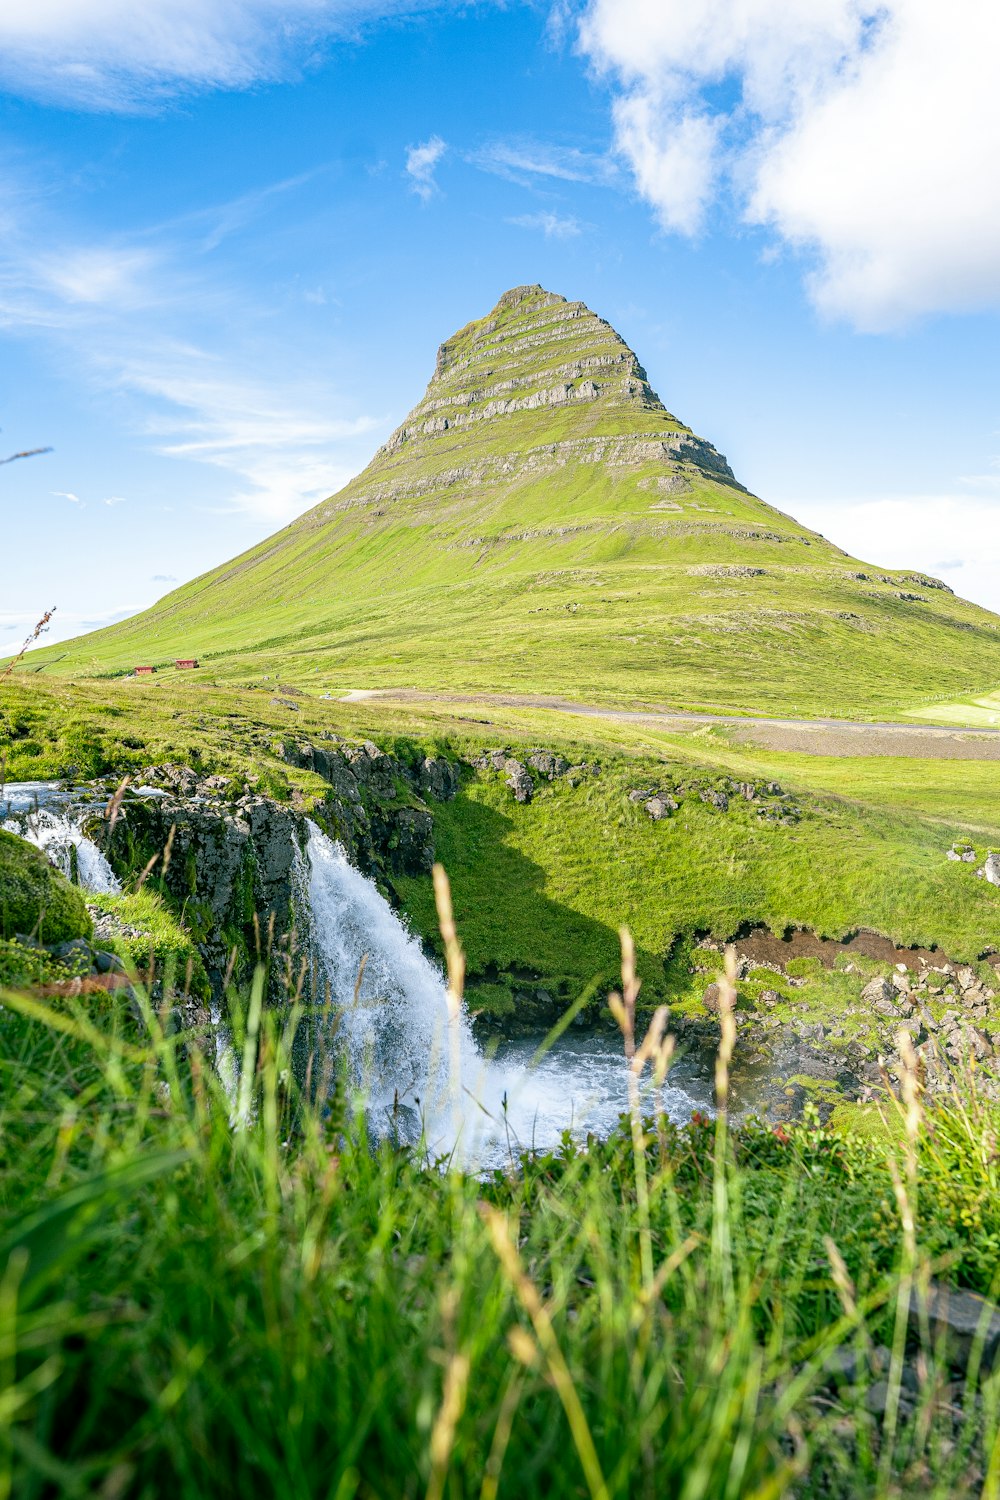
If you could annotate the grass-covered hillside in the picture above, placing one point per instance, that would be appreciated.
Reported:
(541, 523)
(542, 888)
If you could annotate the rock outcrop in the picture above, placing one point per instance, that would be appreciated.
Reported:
(230, 859)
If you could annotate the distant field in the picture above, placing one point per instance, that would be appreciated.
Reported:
(977, 713)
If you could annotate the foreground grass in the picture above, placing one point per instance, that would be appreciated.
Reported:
(284, 1308)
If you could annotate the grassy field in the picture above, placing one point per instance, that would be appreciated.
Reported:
(194, 1309)
(569, 548)
(982, 712)
(542, 889)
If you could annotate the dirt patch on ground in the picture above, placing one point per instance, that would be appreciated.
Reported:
(838, 737)
(847, 740)
(761, 948)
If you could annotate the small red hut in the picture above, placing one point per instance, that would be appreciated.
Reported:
(187, 661)
(144, 671)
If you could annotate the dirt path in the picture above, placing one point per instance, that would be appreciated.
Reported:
(838, 737)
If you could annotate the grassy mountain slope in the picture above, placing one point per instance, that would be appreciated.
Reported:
(541, 523)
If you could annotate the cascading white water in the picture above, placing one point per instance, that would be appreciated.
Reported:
(390, 999)
(47, 817)
(56, 834)
(421, 1070)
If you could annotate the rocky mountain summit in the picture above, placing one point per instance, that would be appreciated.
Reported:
(539, 351)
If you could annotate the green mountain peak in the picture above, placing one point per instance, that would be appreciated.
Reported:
(534, 352)
(541, 523)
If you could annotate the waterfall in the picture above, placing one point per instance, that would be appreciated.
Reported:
(421, 1071)
(46, 816)
(392, 1012)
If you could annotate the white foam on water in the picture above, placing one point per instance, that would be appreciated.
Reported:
(417, 1067)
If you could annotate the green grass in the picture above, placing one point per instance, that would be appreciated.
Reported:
(159, 938)
(542, 890)
(281, 1309)
(489, 557)
(981, 712)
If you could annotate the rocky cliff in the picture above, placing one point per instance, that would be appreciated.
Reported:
(230, 860)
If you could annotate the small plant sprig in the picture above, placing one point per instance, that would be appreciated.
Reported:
(25, 453)
(39, 629)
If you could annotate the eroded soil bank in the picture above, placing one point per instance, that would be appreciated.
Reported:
(765, 949)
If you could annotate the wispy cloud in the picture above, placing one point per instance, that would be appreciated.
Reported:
(553, 226)
(421, 164)
(278, 448)
(67, 495)
(96, 274)
(164, 578)
(115, 310)
(123, 55)
(217, 222)
(72, 284)
(521, 160)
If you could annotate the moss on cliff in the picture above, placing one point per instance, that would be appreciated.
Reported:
(35, 898)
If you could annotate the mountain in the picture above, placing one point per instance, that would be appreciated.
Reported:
(541, 523)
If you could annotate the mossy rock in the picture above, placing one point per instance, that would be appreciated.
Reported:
(35, 897)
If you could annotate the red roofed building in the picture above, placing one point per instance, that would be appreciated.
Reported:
(187, 661)
(144, 671)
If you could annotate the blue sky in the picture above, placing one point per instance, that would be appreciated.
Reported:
(234, 232)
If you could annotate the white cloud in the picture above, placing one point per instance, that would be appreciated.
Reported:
(421, 164)
(123, 54)
(115, 500)
(521, 160)
(673, 157)
(67, 495)
(862, 132)
(98, 274)
(553, 226)
(954, 537)
(281, 451)
(70, 285)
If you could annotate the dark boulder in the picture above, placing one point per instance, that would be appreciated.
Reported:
(438, 778)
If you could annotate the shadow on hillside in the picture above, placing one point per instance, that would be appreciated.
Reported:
(529, 957)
